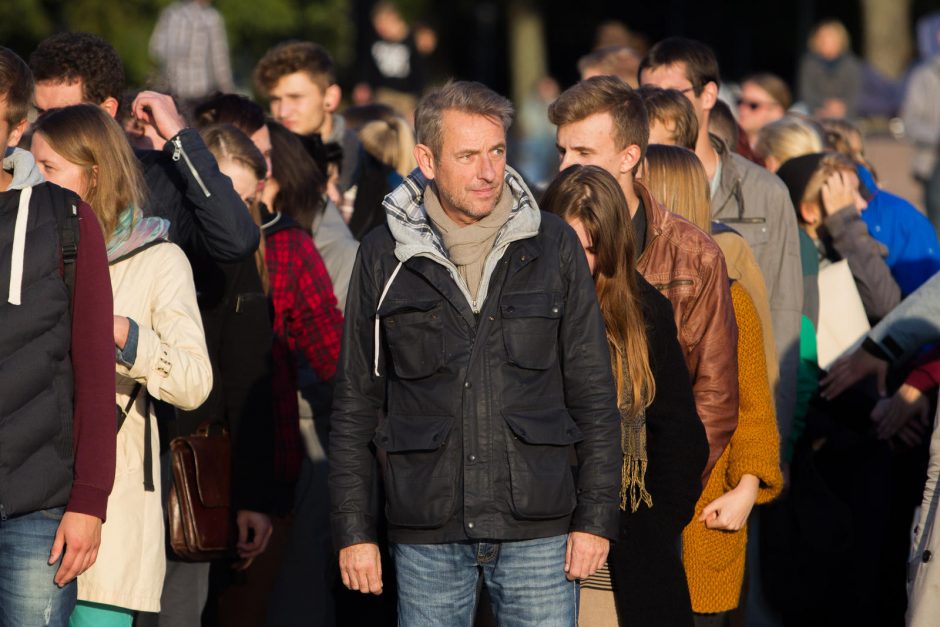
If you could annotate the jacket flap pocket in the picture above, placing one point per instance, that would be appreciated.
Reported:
(547, 426)
(213, 469)
(533, 305)
(401, 433)
(392, 307)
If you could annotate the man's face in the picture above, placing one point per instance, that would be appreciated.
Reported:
(591, 142)
(674, 77)
(470, 169)
(299, 104)
(57, 94)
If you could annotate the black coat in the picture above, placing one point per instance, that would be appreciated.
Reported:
(206, 215)
(645, 563)
(484, 412)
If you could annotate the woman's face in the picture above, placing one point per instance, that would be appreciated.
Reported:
(57, 169)
(243, 179)
(262, 141)
(587, 244)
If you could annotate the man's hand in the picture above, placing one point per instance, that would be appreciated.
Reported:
(79, 535)
(892, 414)
(159, 111)
(849, 370)
(260, 527)
(360, 566)
(729, 511)
(585, 554)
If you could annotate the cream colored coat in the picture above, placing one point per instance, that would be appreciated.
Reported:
(923, 608)
(155, 289)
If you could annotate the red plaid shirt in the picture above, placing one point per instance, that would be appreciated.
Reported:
(306, 321)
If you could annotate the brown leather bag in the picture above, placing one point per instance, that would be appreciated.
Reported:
(201, 521)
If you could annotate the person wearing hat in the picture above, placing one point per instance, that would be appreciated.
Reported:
(825, 191)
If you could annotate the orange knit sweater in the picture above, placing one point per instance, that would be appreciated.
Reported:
(714, 560)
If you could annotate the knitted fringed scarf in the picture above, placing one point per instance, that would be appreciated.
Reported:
(632, 438)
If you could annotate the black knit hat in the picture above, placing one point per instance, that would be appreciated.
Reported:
(796, 173)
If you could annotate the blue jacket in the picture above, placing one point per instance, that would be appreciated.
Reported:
(913, 249)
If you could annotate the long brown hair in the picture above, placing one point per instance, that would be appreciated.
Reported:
(227, 143)
(87, 136)
(592, 196)
(676, 178)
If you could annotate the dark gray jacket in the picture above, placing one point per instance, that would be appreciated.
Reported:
(486, 402)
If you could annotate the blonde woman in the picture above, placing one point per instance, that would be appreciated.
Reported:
(748, 471)
(788, 137)
(159, 346)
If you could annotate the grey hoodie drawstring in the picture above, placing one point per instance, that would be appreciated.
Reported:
(388, 284)
(19, 247)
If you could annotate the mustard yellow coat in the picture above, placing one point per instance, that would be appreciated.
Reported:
(714, 559)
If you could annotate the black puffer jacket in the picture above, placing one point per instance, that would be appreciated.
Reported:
(484, 412)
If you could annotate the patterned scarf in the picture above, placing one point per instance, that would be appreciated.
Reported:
(632, 437)
(133, 231)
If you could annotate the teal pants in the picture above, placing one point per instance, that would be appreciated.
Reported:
(98, 615)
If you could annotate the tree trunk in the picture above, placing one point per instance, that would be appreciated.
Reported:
(528, 56)
(887, 27)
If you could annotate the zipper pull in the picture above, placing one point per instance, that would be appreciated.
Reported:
(177, 148)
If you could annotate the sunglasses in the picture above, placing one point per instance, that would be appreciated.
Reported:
(753, 105)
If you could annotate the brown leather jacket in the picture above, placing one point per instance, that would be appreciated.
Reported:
(687, 267)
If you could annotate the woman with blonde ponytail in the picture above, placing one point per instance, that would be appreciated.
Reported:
(663, 441)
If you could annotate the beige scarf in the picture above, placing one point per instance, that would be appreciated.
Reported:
(468, 245)
(632, 438)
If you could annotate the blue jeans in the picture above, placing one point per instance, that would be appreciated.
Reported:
(437, 583)
(28, 594)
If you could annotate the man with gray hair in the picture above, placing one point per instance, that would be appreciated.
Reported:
(473, 330)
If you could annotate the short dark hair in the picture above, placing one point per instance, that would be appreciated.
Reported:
(605, 94)
(71, 57)
(235, 109)
(295, 56)
(701, 65)
(670, 107)
(16, 86)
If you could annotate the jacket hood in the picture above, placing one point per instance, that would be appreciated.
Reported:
(408, 219)
(414, 237)
(23, 166)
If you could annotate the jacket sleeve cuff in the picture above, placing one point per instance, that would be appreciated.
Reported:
(350, 529)
(86, 499)
(128, 355)
(599, 520)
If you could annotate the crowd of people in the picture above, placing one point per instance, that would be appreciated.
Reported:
(294, 366)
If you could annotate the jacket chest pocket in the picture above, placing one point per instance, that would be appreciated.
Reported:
(414, 332)
(530, 329)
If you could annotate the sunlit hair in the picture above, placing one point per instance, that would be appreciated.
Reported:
(790, 136)
(671, 109)
(675, 177)
(845, 138)
(87, 136)
(227, 143)
(391, 142)
(592, 196)
(464, 96)
(830, 164)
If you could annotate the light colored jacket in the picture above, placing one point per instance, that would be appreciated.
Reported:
(155, 289)
(921, 116)
(756, 204)
(910, 325)
(337, 248)
(923, 608)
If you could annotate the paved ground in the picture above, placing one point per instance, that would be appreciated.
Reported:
(892, 161)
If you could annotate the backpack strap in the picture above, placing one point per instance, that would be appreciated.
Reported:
(148, 429)
(68, 235)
